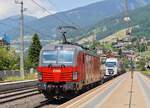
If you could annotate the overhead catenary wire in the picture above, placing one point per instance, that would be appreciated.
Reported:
(69, 20)
(43, 8)
(26, 25)
(43, 33)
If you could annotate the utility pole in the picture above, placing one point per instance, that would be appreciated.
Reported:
(21, 38)
(127, 20)
(94, 36)
(126, 9)
(128, 32)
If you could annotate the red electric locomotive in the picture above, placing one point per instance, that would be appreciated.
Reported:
(66, 69)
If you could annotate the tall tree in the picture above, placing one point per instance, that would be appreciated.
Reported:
(8, 59)
(34, 51)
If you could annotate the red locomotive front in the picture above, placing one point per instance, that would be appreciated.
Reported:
(66, 69)
(59, 70)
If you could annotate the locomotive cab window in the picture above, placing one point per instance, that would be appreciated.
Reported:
(59, 57)
(65, 57)
(49, 57)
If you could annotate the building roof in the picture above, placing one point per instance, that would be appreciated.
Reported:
(5, 39)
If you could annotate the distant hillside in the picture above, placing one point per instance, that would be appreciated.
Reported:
(10, 25)
(140, 22)
(109, 39)
(112, 38)
(85, 17)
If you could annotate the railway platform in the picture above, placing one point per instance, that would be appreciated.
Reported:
(128, 95)
(122, 92)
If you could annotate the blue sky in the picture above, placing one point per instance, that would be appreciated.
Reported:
(9, 8)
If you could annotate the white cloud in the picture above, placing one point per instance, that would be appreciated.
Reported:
(9, 8)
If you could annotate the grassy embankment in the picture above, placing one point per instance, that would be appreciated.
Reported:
(112, 38)
(16, 78)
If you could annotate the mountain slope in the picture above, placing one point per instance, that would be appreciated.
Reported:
(12, 24)
(85, 17)
(140, 21)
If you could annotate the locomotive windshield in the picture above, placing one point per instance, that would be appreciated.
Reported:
(58, 57)
(110, 64)
(49, 57)
(65, 57)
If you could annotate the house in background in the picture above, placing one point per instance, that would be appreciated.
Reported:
(4, 41)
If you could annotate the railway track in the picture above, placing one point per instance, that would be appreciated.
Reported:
(17, 90)
(10, 86)
(14, 95)
(17, 95)
(26, 97)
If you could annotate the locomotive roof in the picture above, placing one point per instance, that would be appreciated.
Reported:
(52, 47)
(74, 47)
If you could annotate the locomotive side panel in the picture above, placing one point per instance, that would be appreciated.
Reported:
(92, 69)
(97, 69)
(81, 70)
(87, 69)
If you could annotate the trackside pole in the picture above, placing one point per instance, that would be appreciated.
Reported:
(132, 68)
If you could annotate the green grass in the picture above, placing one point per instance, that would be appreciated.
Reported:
(16, 78)
(108, 46)
(112, 38)
(147, 72)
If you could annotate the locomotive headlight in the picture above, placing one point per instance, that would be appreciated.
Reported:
(75, 75)
(39, 76)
